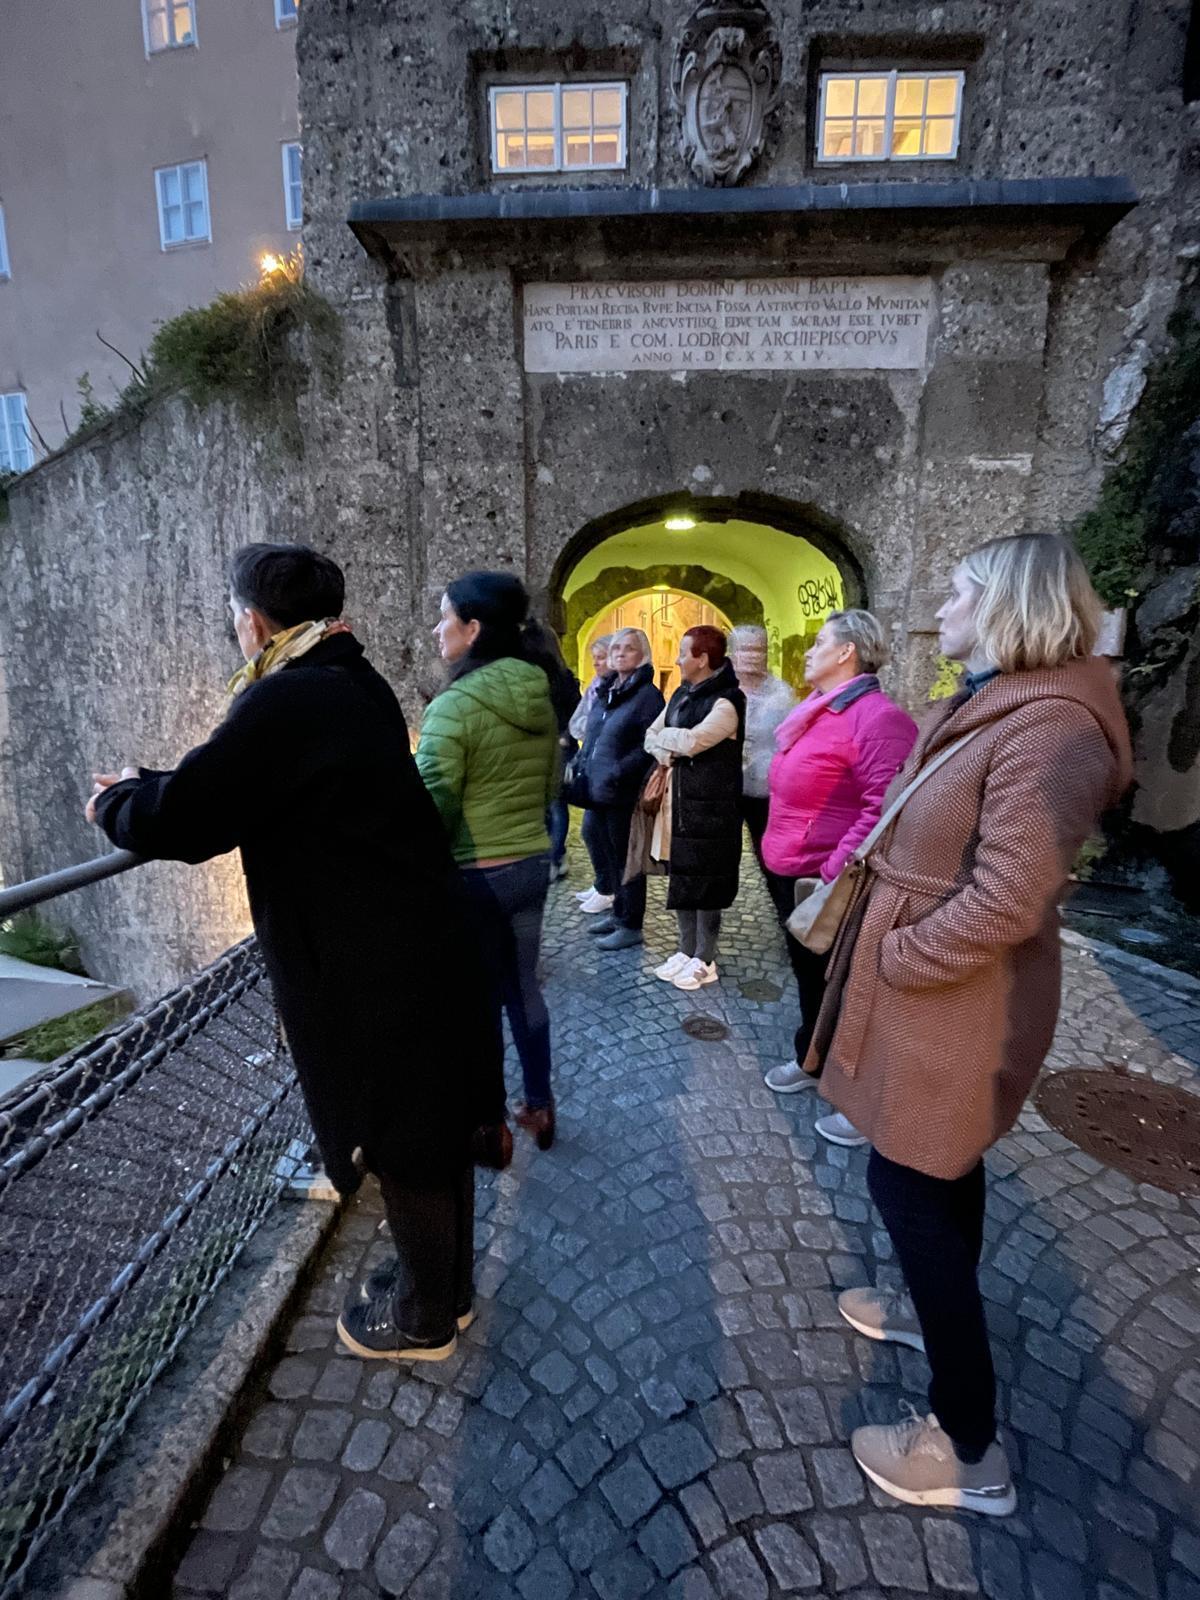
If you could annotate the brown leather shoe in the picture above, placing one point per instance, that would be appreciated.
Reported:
(538, 1122)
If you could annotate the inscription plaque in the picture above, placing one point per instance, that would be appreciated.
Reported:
(727, 324)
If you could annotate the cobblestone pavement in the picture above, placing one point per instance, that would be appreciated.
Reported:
(656, 1396)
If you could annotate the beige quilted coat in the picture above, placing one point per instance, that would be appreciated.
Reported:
(942, 1010)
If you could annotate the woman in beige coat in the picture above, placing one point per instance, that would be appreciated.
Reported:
(940, 1012)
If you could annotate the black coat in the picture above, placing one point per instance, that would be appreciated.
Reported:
(356, 901)
(706, 816)
(614, 758)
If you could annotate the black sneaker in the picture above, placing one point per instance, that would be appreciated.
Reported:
(383, 1281)
(369, 1329)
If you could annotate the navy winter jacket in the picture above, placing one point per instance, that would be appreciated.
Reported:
(614, 757)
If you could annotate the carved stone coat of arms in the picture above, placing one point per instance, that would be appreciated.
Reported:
(725, 80)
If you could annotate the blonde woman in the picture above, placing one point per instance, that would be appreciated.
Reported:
(952, 990)
(611, 769)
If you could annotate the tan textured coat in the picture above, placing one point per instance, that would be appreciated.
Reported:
(944, 1008)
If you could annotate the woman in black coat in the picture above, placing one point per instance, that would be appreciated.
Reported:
(361, 920)
(697, 833)
(614, 764)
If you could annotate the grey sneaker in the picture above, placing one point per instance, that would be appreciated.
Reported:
(882, 1314)
(619, 939)
(914, 1461)
(789, 1077)
(838, 1129)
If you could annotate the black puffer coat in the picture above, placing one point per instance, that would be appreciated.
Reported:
(706, 818)
(614, 760)
(359, 909)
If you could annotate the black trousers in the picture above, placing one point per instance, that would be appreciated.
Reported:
(754, 815)
(936, 1226)
(612, 838)
(808, 968)
(433, 1228)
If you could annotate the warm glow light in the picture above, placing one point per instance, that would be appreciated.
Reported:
(680, 524)
(267, 264)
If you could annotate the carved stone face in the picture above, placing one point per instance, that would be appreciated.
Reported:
(725, 81)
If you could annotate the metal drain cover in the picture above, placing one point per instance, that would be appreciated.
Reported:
(760, 989)
(701, 1027)
(1146, 1130)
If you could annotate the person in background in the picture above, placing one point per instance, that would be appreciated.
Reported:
(949, 993)
(542, 648)
(836, 755)
(590, 899)
(489, 757)
(362, 923)
(613, 765)
(768, 701)
(697, 832)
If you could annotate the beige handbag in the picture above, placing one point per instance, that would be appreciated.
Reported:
(818, 917)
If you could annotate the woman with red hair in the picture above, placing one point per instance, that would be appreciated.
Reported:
(697, 833)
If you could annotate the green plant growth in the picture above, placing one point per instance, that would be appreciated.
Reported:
(26, 937)
(91, 411)
(58, 1037)
(1114, 537)
(945, 681)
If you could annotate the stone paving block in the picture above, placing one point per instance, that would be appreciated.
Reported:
(367, 1446)
(266, 1576)
(894, 1552)
(546, 1493)
(547, 1577)
(623, 1577)
(839, 1482)
(736, 1490)
(666, 1542)
(677, 1454)
(208, 1564)
(738, 1573)
(783, 1482)
(315, 1585)
(586, 1534)
(509, 1542)
(583, 1454)
(300, 1503)
(840, 1545)
(237, 1499)
(406, 1547)
(269, 1431)
(321, 1434)
(791, 1562)
(351, 1535)
(949, 1555)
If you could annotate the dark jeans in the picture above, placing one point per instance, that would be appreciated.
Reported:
(808, 967)
(936, 1226)
(434, 1232)
(612, 833)
(558, 820)
(508, 903)
(589, 832)
(754, 815)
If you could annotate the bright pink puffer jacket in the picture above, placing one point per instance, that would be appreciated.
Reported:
(835, 756)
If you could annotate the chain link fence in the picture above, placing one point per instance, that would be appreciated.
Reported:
(131, 1176)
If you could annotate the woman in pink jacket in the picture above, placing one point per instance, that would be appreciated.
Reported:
(835, 756)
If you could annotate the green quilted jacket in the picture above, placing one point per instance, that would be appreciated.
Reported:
(489, 756)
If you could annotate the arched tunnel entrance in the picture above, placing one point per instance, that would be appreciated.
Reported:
(664, 566)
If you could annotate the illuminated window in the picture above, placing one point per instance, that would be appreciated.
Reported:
(169, 24)
(183, 204)
(293, 196)
(16, 447)
(286, 11)
(5, 269)
(558, 127)
(889, 116)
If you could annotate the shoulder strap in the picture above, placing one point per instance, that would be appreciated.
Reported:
(906, 794)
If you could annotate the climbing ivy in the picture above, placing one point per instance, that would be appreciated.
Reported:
(1114, 538)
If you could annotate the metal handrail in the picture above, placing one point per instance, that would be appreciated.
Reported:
(23, 896)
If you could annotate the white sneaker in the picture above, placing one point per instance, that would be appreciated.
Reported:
(789, 1077)
(695, 974)
(586, 894)
(672, 966)
(840, 1130)
(597, 902)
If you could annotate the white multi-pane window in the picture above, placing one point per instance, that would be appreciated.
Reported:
(16, 447)
(558, 127)
(5, 269)
(889, 116)
(293, 194)
(168, 24)
(286, 11)
(182, 204)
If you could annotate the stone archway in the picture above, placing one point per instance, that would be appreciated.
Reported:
(755, 559)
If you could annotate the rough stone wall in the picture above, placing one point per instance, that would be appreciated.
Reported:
(114, 650)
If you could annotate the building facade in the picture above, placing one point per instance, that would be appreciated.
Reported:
(149, 154)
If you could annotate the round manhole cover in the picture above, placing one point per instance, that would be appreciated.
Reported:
(710, 1028)
(1148, 1131)
(760, 989)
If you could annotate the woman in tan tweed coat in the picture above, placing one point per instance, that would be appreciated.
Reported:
(943, 1007)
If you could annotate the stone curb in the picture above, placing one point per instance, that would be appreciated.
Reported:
(119, 1535)
(1168, 977)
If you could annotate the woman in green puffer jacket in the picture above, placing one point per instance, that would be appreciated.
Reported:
(489, 757)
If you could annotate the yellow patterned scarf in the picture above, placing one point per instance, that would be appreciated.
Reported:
(281, 648)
